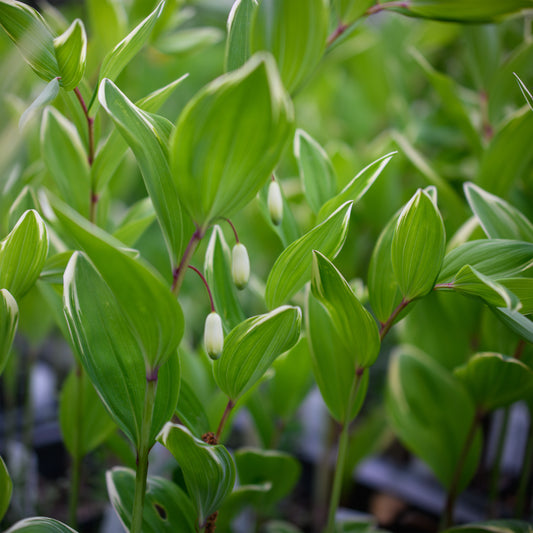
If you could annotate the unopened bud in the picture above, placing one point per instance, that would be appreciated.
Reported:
(275, 202)
(213, 335)
(240, 266)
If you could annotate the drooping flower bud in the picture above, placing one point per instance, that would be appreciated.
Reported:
(213, 335)
(275, 202)
(240, 266)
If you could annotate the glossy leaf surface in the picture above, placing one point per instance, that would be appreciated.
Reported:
(9, 314)
(71, 54)
(517, 322)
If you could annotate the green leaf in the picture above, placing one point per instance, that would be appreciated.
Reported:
(495, 258)
(71, 54)
(279, 469)
(167, 508)
(494, 526)
(238, 40)
(83, 419)
(350, 10)
(525, 91)
(292, 269)
(208, 471)
(334, 368)
(418, 246)
(40, 524)
(22, 254)
(137, 220)
(499, 219)
(6, 488)
(116, 60)
(45, 97)
(355, 326)
(66, 160)
(252, 346)
(218, 274)
(139, 132)
(523, 289)
(316, 171)
(110, 351)
(228, 139)
(495, 381)
(145, 300)
(189, 41)
(242, 496)
(294, 33)
(9, 315)
(422, 402)
(515, 321)
(28, 30)
(191, 412)
(357, 187)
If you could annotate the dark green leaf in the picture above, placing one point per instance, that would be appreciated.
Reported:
(6, 490)
(40, 524)
(71, 54)
(276, 526)
(191, 411)
(238, 41)
(523, 289)
(9, 314)
(137, 220)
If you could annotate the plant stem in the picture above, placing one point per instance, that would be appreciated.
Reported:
(142, 454)
(525, 477)
(341, 455)
(212, 303)
(229, 406)
(385, 326)
(179, 272)
(339, 30)
(453, 492)
(381, 7)
(495, 475)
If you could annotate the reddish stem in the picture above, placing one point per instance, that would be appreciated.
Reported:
(385, 326)
(206, 286)
(229, 406)
(180, 270)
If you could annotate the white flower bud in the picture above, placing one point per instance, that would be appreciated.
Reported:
(275, 202)
(240, 266)
(213, 335)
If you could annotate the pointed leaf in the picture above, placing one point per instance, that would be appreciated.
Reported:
(6, 488)
(252, 346)
(45, 97)
(9, 314)
(22, 254)
(495, 381)
(71, 54)
(523, 289)
(292, 269)
(28, 30)
(294, 33)
(238, 41)
(229, 138)
(40, 524)
(167, 508)
(209, 471)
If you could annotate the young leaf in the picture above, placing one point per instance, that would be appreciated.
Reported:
(316, 171)
(294, 33)
(167, 508)
(229, 138)
(495, 381)
(418, 245)
(525, 91)
(417, 389)
(83, 419)
(499, 219)
(218, 275)
(209, 471)
(138, 130)
(71, 54)
(292, 269)
(7, 488)
(355, 326)
(494, 526)
(28, 30)
(238, 41)
(252, 346)
(110, 351)
(9, 314)
(22, 254)
(47, 96)
(66, 160)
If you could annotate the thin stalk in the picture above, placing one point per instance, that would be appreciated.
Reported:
(453, 492)
(496, 469)
(339, 30)
(525, 477)
(385, 326)
(179, 272)
(341, 456)
(142, 454)
(229, 406)
(382, 7)
(212, 303)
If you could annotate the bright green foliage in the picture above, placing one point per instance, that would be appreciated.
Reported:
(355, 326)
(349, 10)
(252, 346)
(40, 524)
(110, 350)
(167, 508)
(83, 420)
(44, 98)
(6, 488)
(28, 30)
(22, 254)
(191, 412)
(228, 139)
(208, 471)
(71, 54)
(279, 469)
(316, 171)
(292, 269)
(417, 248)
(494, 526)
(417, 387)
(238, 41)
(294, 33)
(494, 380)
(9, 314)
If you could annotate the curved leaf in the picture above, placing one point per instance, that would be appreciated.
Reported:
(238, 41)
(40, 524)
(71, 54)
(9, 314)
